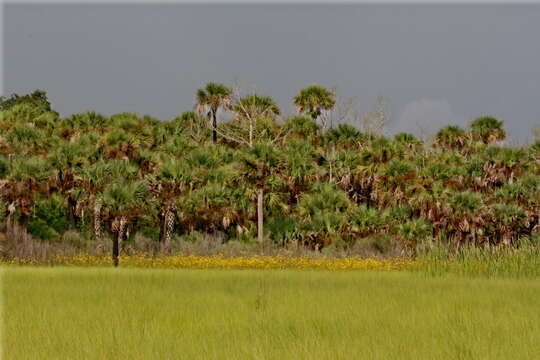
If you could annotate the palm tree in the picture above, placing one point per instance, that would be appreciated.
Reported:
(259, 162)
(123, 200)
(344, 134)
(188, 122)
(26, 177)
(65, 160)
(302, 127)
(393, 183)
(415, 230)
(213, 96)
(253, 106)
(366, 220)
(299, 167)
(487, 129)
(324, 212)
(94, 178)
(451, 137)
(37, 99)
(408, 142)
(509, 222)
(254, 109)
(313, 99)
(466, 215)
(171, 179)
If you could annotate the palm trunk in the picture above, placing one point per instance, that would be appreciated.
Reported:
(166, 227)
(161, 217)
(169, 227)
(118, 229)
(122, 231)
(214, 127)
(10, 215)
(23, 223)
(250, 132)
(260, 218)
(9, 223)
(97, 221)
(115, 248)
(72, 203)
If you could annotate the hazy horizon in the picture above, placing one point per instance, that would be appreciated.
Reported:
(437, 64)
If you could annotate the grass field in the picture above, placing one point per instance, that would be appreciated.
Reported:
(97, 313)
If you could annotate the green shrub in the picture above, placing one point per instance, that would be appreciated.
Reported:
(49, 219)
(416, 230)
(39, 229)
(151, 232)
(283, 230)
(381, 243)
(366, 219)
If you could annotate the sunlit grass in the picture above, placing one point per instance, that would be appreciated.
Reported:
(97, 313)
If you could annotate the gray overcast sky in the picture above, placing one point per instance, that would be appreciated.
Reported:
(437, 64)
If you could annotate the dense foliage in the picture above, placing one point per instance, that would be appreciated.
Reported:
(303, 184)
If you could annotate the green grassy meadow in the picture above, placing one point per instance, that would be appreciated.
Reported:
(96, 313)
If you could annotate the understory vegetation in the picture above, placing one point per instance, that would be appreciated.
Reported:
(260, 181)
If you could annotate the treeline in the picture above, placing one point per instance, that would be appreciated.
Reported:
(261, 176)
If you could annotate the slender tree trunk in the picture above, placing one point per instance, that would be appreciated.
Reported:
(214, 127)
(122, 231)
(72, 203)
(10, 215)
(118, 229)
(8, 222)
(23, 222)
(161, 217)
(260, 218)
(166, 227)
(169, 227)
(250, 132)
(97, 221)
(115, 248)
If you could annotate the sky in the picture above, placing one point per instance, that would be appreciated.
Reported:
(436, 64)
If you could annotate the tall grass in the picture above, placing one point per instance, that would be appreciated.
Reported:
(490, 262)
(74, 313)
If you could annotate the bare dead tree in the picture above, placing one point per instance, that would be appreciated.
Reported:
(244, 130)
(376, 120)
(345, 111)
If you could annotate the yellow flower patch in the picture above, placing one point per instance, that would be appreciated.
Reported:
(223, 262)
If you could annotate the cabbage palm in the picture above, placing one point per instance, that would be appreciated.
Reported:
(123, 200)
(259, 162)
(253, 106)
(37, 99)
(314, 99)
(171, 179)
(299, 167)
(407, 141)
(487, 129)
(26, 176)
(324, 212)
(450, 137)
(416, 230)
(257, 112)
(212, 97)
(466, 216)
(302, 127)
(344, 135)
(188, 122)
(65, 160)
(93, 179)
